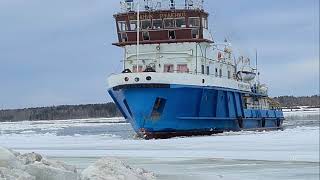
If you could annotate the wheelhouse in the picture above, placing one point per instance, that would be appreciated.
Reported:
(162, 26)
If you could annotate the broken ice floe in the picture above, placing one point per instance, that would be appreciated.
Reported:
(33, 166)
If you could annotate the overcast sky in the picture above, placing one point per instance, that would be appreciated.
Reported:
(59, 52)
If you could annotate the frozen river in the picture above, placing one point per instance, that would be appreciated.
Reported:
(289, 154)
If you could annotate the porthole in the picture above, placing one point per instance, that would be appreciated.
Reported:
(148, 78)
(136, 79)
(203, 81)
(126, 79)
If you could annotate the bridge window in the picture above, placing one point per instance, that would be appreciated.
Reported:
(181, 22)
(157, 24)
(195, 33)
(146, 36)
(182, 68)
(205, 23)
(133, 25)
(168, 68)
(168, 23)
(194, 22)
(122, 25)
(124, 37)
(172, 35)
(146, 24)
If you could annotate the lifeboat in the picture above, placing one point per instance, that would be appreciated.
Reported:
(247, 74)
(263, 89)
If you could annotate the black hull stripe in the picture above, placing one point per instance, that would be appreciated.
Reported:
(130, 86)
(166, 135)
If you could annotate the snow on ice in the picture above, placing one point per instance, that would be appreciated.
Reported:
(298, 142)
(32, 166)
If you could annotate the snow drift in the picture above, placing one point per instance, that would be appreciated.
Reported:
(114, 169)
(33, 166)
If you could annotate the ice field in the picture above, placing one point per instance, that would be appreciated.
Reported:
(289, 154)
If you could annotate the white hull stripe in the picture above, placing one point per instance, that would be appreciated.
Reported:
(176, 78)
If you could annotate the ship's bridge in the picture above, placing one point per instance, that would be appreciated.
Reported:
(162, 21)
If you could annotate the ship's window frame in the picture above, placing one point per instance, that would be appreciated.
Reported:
(216, 72)
(202, 69)
(165, 25)
(208, 70)
(146, 24)
(194, 22)
(172, 36)
(205, 22)
(122, 26)
(168, 70)
(183, 23)
(145, 35)
(182, 68)
(133, 25)
(220, 73)
(157, 27)
(124, 37)
(195, 33)
(134, 68)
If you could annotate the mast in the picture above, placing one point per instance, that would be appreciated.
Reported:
(258, 74)
(138, 34)
(257, 60)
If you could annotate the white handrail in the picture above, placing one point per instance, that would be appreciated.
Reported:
(153, 5)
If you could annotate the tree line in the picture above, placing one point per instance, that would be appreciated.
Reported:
(61, 112)
(291, 101)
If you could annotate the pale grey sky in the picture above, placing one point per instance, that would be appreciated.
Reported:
(60, 52)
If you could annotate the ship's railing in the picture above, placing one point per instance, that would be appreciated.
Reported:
(154, 5)
(198, 71)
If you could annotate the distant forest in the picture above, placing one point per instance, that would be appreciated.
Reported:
(61, 112)
(110, 110)
(291, 101)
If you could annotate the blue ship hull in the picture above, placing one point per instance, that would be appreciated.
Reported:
(167, 110)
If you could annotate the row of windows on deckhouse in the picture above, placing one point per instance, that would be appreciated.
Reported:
(168, 23)
(146, 35)
(183, 68)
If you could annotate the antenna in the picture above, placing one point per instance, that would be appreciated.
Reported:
(138, 33)
(258, 74)
(256, 60)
